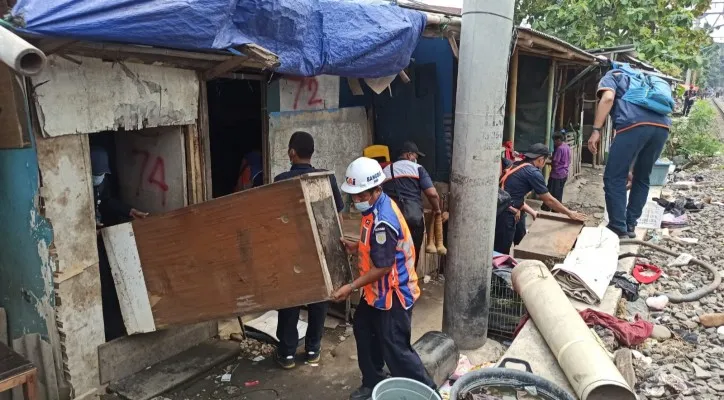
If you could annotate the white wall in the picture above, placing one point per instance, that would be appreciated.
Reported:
(98, 96)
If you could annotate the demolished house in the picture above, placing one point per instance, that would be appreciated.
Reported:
(178, 109)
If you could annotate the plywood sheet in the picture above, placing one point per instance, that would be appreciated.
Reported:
(252, 251)
(152, 168)
(64, 164)
(549, 238)
(13, 117)
(98, 96)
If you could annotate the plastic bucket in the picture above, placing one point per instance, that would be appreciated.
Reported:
(403, 389)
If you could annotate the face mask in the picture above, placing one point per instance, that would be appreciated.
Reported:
(98, 179)
(362, 206)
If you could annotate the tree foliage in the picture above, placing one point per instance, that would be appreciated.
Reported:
(713, 68)
(661, 30)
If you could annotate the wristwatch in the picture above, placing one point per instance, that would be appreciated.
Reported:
(597, 129)
(351, 285)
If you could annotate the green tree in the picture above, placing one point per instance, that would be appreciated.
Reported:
(713, 69)
(662, 30)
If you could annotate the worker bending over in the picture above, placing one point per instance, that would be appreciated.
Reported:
(386, 254)
(518, 180)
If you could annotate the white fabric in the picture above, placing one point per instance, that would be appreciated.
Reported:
(403, 169)
(589, 267)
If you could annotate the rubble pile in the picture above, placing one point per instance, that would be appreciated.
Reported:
(684, 359)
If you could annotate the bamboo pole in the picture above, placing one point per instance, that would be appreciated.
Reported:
(512, 96)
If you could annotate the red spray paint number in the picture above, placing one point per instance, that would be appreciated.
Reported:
(156, 177)
(309, 88)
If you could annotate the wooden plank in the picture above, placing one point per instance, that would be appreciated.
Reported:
(232, 256)
(12, 364)
(127, 355)
(125, 265)
(204, 137)
(194, 174)
(318, 193)
(223, 67)
(176, 370)
(550, 238)
(13, 116)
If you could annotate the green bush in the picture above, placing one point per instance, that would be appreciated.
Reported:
(695, 136)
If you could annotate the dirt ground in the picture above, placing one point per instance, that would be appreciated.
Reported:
(337, 375)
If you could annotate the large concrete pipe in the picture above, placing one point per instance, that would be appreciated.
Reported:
(591, 373)
(20, 55)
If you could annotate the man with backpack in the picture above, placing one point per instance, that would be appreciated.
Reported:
(639, 107)
(518, 180)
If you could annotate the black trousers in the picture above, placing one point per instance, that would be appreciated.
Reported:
(287, 329)
(418, 235)
(687, 106)
(555, 188)
(383, 337)
(505, 228)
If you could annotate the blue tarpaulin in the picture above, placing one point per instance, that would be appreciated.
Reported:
(354, 38)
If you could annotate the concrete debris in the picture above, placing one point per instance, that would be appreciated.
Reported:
(691, 368)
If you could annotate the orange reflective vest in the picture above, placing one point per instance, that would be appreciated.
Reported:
(402, 279)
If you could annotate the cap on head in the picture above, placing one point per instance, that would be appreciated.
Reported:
(411, 147)
(537, 150)
(362, 174)
(99, 161)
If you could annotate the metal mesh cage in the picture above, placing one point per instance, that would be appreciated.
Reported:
(506, 307)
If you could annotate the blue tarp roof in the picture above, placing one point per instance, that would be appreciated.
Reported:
(355, 38)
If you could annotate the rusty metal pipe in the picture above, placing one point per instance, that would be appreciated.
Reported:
(683, 298)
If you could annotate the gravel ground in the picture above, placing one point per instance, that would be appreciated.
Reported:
(689, 364)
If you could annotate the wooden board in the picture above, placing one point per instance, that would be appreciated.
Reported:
(13, 117)
(127, 355)
(258, 250)
(550, 237)
(176, 370)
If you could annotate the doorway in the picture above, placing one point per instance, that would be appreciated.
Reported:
(236, 131)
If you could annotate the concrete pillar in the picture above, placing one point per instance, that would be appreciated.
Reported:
(487, 28)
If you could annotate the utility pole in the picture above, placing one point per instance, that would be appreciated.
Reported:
(487, 28)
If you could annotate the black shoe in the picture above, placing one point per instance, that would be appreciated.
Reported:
(363, 393)
(313, 357)
(621, 235)
(286, 362)
(631, 230)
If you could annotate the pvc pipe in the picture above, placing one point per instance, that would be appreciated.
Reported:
(485, 44)
(588, 368)
(20, 55)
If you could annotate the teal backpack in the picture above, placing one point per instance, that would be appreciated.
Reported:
(647, 91)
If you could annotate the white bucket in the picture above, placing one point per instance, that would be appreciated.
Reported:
(403, 389)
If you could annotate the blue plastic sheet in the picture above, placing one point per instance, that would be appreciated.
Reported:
(364, 39)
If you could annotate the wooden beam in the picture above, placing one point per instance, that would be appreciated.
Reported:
(50, 46)
(225, 67)
(454, 46)
(205, 138)
(512, 96)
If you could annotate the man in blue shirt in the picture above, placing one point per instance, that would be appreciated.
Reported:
(518, 180)
(301, 148)
(405, 182)
(640, 138)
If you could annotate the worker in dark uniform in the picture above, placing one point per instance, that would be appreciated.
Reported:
(405, 183)
(386, 260)
(108, 211)
(518, 180)
(301, 148)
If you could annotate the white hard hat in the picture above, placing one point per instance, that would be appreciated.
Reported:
(362, 174)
